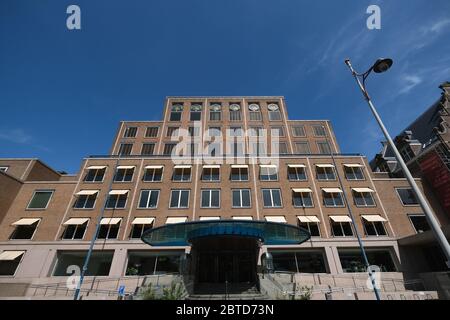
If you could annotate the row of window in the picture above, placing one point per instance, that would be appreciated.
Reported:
(254, 131)
(216, 149)
(211, 173)
(341, 226)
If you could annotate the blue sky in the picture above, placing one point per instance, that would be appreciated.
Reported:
(63, 93)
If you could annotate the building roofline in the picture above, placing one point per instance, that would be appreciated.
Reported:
(225, 97)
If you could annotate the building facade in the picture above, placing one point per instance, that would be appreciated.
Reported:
(297, 177)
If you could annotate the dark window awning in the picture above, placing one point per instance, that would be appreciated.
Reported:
(182, 234)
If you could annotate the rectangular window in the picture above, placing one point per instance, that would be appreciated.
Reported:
(407, 196)
(298, 131)
(363, 199)
(215, 112)
(325, 173)
(9, 262)
(182, 174)
(302, 148)
(148, 149)
(196, 112)
(172, 131)
(255, 115)
(85, 201)
(24, 231)
(211, 174)
(268, 173)
(153, 175)
(279, 148)
(116, 201)
(353, 173)
(275, 115)
(95, 175)
(407, 153)
(239, 174)
(175, 113)
(352, 261)
(210, 198)
(137, 230)
(130, 132)
(319, 131)
(148, 199)
(302, 199)
(214, 132)
(74, 231)
(312, 227)
(297, 174)
(124, 175)
(125, 149)
(99, 264)
(341, 229)
(256, 131)
(235, 115)
(324, 147)
(109, 231)
(277, 132)
(143, 262)
(179, 199)
(151, 132)
(235, 132)
(332, 199)
(258, 149)
(40, 199)
(194, 131)
(419, 223)
(168, 148)
(272, 198)
(241, 198)
(374, 228)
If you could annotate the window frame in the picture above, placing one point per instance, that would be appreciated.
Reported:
(149, 130)
(85, 202)
(182, 174)
(365, 201)
(240, 174)
(143, 229)
(308, 227)
(210, 191)
(153, 175)
(412, 223)
(211, 175)
(268, 174)
(333, 171)
(121, 153)
(324, 142)
(95, 175)
(126, 132)
(52, 191)
(297, 174)
(334, 200)
(342, 229)
(401, 200)
(321, 127)
(116, 201)
(37, 223)
(372, 223)
(240, 190)
(124, 175)
(148, 144)
(75, 231)
(302, 199)
(109, 230)
(353, 173)
(303, 130)
(148, 199)
(179, 198)
(271, 198)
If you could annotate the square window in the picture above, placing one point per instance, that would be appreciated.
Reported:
(153, 175)
(125, 149)
(130, 132)
(210, 198)
(148, 149)
(319, 130)
(179, 199)
(272, 198)
(407, 196)
(151, 132)
(24, 232)
(148, 199)
(40, 199)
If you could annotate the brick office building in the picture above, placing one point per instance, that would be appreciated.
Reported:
(48, 218)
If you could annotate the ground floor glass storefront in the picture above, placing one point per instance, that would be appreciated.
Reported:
(299, 261)
(148, 263)
(352, 261)
(99, 263)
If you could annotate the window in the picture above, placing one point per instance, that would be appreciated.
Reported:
(99, 263)
(353, 172)
(274, 112)
(237, 149)
(172, 131)
(130, 132)
(196, 112)
(182, 174)
(241, 198)
(312, 227)
(211, 174)
(210, 198)
(272, 198)
(85, 201)
(239, 174)
(125, 149)
(279, 148)
(255, 112)
(9, 262)
(295, 262)
(109, 229)
(137, 230)
(124, 174)
(235, 132)
(179, 199)
(363, 199)
(319, 131)
(325, 172)
(148, 199)
(302, 148)
(194, 131)
(407, 196)
(332, 199)
(268, 173)
(296, 173)
(4, 169)
(215, 112)
(302, 199)
(298, 131)
(324, 147)
(277, 132)
(148, 149)
(168, 148)
(75, 231)
(151, 132)
(341, 229)
(258, 148)
(214, 132)
(116, 201)
(95, 175)
(141, 263)
(40, 199)
(374, 228)
(153, 174)
(175, 113)
(256, 131)
(24, 229)
(407, 153)
(419, 223)
(352, 261)
(235, 112)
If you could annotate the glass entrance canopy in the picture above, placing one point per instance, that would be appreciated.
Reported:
(182, 234)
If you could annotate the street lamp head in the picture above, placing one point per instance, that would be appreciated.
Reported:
(382, 65)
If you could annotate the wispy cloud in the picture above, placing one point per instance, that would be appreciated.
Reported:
(410, 81)
(437, 27)
(18, 136)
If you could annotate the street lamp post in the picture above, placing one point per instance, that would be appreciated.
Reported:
(382, 65)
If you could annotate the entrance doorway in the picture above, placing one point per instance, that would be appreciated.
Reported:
(225, 259)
